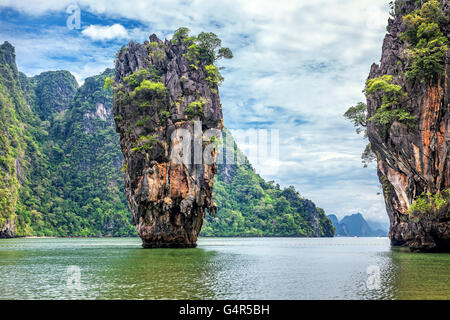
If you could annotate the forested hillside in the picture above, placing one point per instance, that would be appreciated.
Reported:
(250, 206)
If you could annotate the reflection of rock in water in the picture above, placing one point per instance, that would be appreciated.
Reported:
(158, 274)
(420, 276)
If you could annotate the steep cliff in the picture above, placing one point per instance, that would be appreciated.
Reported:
(60, 157)
(54, 90)
(18, 143)
(85, 187)
(165, 101)
(9, 148)
(408, 127)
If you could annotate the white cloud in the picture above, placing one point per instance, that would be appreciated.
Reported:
(97, 32)
(36, 7)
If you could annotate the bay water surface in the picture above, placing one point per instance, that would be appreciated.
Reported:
(220, 268)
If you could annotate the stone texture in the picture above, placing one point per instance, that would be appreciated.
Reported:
(7, 230)
(168, 199)
(413, 160)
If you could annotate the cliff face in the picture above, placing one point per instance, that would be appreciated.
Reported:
(413, 157)
(8, 181)
(162, 96)
(15, 121)
(60, 158)
(54, 90)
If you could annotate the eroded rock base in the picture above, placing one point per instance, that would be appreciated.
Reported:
(172, 245)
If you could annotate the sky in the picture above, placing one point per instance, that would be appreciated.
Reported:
(297, 67)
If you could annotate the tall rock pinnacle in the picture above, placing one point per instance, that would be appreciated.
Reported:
(408, 128)
(168, 113)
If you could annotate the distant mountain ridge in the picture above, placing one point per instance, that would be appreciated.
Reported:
(356, 226)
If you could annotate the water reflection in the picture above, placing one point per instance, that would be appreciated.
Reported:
(155, 274)
(115, 269)
(421, 275)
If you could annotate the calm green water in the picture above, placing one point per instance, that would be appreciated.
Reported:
(219, 269)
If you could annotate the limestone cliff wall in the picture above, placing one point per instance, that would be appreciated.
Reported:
(413, 159)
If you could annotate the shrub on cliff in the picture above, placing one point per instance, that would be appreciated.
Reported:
(145, 143)
(147, 87)
(429, 203)
(195, 108)
(391, 97)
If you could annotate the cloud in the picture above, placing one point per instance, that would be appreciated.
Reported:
(36, 7)
(58, 49)
(98, 32)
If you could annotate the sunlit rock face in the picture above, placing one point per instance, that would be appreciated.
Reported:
(166, 111)
(413, 159)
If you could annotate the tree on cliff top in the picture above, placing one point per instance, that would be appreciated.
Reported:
(208, 43)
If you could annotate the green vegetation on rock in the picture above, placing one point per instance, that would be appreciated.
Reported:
(60, 161)
(391, 98)
(428, 203)
(147, 87)
(53, 90)
(145, 143)
(203, 50)
(135, 79)
(213, 75)
(195, 108)
(358, 116)
(427, 44)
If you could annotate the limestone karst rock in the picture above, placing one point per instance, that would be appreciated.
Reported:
(165, 93)
(413, 156)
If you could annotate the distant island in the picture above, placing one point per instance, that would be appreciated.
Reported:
(356, 226)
